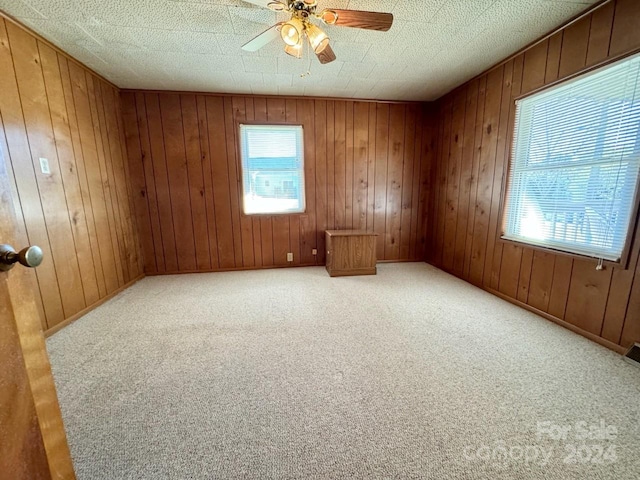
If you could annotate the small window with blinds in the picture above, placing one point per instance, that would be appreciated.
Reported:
(272, 169)
(573, 177)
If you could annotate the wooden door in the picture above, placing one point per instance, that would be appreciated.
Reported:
(33, 444)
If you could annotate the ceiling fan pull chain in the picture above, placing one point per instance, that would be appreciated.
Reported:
(308, 72)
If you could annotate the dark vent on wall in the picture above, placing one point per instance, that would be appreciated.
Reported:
(633, 355)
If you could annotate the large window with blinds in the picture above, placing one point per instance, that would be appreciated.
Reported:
(573, 177)
(272, 169)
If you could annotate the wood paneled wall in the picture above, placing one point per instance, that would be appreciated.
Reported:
(474, 138)
(81, 214)
(366, 167)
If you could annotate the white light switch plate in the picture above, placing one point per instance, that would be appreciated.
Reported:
(44, 166)
(289, 257)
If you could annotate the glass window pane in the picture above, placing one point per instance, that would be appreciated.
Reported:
(272, 169)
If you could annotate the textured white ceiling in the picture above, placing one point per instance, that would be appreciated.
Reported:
(194, 45)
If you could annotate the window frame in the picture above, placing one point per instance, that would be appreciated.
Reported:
(270, 123)
(502, 210)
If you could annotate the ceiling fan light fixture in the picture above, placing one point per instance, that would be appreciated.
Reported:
(317, 38)
(291, 31)
(294, 50)
(329, 17)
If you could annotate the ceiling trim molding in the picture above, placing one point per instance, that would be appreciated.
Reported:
(40, 38)
(290, 97)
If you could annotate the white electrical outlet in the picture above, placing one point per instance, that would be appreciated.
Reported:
(289, 257)
(314, 251)
(44, 166)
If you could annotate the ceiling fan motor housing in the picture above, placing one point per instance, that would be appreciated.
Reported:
(308, 6)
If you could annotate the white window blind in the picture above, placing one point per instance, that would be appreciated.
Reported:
(575, 162)
(272, 169)
(271, 142)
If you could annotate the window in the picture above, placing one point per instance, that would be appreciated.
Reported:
(272, 169)
(575, 160)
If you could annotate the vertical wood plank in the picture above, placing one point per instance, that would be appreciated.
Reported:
(233, 175)
(456, 140)
(134, 252)
(161, 180)
(574, 47)
(195, 172)
(541, 280)
(137, 179)
(493, 97)
(422, 188)
(553, 57)
(600, 33)
(466, 169)
(426, 159)
(625, 34)
(331, 167)
(393, 207)
(348, 174)
(371, 168)
(587, 297)
(442, 180)
(408, 167)
(340, 160)
(622, 281)
(308, 231)
(220, 177)
(382, 152)
(560, 286)
(150, 182)
(361, 152)
(631, 328)
(475, 167)
(321, 177)
(291, 116)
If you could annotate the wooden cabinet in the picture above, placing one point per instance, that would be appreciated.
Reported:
(350, 252)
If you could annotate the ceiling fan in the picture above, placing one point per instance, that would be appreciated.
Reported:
(294, 31)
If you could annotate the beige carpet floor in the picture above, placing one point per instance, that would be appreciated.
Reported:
(288, 373)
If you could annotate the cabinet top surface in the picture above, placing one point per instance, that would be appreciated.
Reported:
(348, 233)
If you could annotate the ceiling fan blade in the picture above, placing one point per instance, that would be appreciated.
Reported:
(327, 55)
(357, 19)
(266, 37)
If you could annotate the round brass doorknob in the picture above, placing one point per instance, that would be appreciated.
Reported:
(29, 257)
